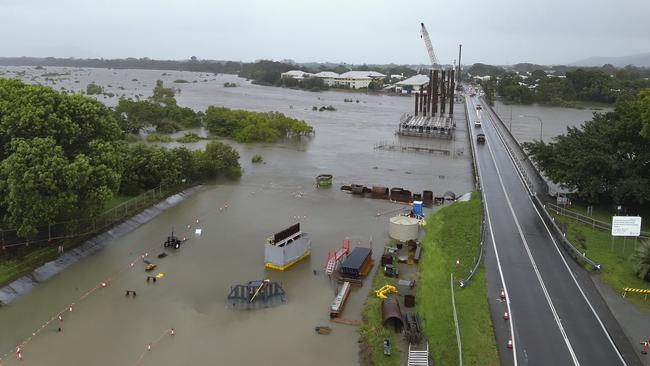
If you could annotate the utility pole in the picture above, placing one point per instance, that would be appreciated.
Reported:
(460, 47)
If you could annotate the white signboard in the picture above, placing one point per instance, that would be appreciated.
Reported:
(626, 225)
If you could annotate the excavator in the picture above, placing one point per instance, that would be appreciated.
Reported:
(386, 289)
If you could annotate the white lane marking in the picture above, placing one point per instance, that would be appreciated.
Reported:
(532, 260)
(566, 265)
(503, 281)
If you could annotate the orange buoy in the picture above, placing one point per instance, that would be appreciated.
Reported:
(502, 294)
(509, 345)
(506, 316)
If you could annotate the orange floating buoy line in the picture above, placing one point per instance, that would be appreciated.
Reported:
(103, 284)
(506, 316)
(150, 345)
(509, 345)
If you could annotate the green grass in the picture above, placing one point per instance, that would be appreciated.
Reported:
(117, 200)
(617, 271)
(604, 214)
(372, 330)
(453, 234)
(13, 268)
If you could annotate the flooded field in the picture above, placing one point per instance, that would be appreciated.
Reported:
(107, 328)
(522, 121)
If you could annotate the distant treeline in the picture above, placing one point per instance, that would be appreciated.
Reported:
(562, 85)
(263, 72)
(193, 64)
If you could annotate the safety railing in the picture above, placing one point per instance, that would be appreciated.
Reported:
(589, 221)
(58, 231)
(477, 180)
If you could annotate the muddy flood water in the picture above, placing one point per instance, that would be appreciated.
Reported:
(107, 328)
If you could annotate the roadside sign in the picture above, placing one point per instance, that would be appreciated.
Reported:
(562, 200)
(626, 225)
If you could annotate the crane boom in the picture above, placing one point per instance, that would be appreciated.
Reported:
(427, 42)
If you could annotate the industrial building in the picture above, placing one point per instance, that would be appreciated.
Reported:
(414, 83)
(295, 74)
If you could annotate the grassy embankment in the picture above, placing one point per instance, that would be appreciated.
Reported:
(372, 331)
(617, 270)
(14, 267)
(451, 234)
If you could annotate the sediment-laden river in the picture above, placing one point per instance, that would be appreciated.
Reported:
(107, 328)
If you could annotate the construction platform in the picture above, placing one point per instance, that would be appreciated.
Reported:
(436, 125)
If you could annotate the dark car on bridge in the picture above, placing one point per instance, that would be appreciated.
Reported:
(480, 138)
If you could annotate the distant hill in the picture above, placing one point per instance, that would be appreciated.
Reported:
(640, 60)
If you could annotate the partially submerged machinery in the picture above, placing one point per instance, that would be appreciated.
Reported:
(256, 294)
(172, 242)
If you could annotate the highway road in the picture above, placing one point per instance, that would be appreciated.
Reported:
(556, 315)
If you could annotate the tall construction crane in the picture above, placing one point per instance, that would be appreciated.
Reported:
(427, 41)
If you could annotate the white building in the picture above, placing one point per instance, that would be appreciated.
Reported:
(295, 74)
(414, 83)
(350, 79)
(329, 78)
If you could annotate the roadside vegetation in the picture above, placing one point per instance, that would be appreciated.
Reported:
(605, 161)
(452, 234)
(619, 263)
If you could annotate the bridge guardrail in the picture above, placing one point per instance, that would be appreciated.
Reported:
(557, 234)
(477, 182)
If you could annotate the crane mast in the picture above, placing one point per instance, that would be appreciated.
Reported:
(427, 41)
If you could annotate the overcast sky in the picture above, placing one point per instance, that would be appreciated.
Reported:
(352, 31)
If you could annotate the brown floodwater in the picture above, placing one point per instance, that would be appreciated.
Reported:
(107, 328)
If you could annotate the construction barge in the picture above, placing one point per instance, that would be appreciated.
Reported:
(286, 248)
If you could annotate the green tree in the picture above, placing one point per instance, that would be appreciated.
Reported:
(162, 94)
(38, 184)
(93, 88)
(641, 259)
(73, 121)
(605, 160)
(644, 104)
(218, 159)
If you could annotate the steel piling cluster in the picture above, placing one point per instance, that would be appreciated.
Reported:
(429, 118)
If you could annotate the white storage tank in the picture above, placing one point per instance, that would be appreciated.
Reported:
(403, 228)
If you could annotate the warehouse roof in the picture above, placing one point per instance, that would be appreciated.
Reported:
(418, 80)
(296, 73)
(362, 74)
(326, 74)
